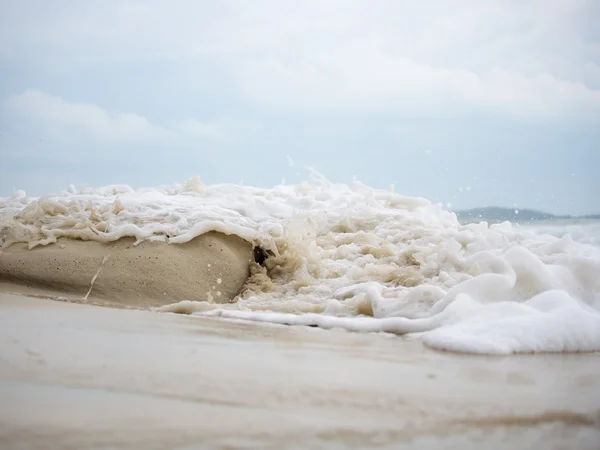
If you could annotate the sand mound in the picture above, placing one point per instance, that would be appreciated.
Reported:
(211, 267)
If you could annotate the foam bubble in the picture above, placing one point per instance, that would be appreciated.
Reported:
(354, 257)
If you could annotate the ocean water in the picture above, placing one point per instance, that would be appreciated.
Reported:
(357, 258)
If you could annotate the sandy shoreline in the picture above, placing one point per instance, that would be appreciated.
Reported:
(213, 267)
(78, 376)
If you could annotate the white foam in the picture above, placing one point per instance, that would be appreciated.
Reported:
(338, 253)
(549, 322)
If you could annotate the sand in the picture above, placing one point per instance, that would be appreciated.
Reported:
(76, 376)
(213, 267)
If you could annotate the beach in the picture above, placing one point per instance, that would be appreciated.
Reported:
(309, 316)
(79, 376)
(299, 225)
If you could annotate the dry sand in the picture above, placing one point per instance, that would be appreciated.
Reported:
(77, 376)
(213, 266)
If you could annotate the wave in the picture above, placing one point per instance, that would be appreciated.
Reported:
(353, 257)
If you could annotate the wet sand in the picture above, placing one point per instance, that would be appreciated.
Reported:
(212, 267)
(76, 376)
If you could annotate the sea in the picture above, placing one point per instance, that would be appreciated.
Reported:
(356, 258)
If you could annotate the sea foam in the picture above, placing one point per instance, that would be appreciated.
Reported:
(353, 257)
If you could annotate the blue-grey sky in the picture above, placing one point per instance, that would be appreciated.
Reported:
(472, 103)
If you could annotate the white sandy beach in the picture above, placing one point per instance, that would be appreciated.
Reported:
(353, 261)
(277, 225)
(76, 376)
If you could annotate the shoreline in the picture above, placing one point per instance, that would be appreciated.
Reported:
(213, 267)
(79, 376)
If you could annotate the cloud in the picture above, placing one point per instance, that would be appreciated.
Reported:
(367, 81)
(193, 127)
(57, 116)
(533, 58)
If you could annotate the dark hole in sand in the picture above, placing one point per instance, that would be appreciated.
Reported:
(260, 256)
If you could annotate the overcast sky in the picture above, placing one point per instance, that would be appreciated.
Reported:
(471, 103)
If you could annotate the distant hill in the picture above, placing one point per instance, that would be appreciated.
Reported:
(496, 214)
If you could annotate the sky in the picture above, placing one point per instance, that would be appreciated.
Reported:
(467, 103)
